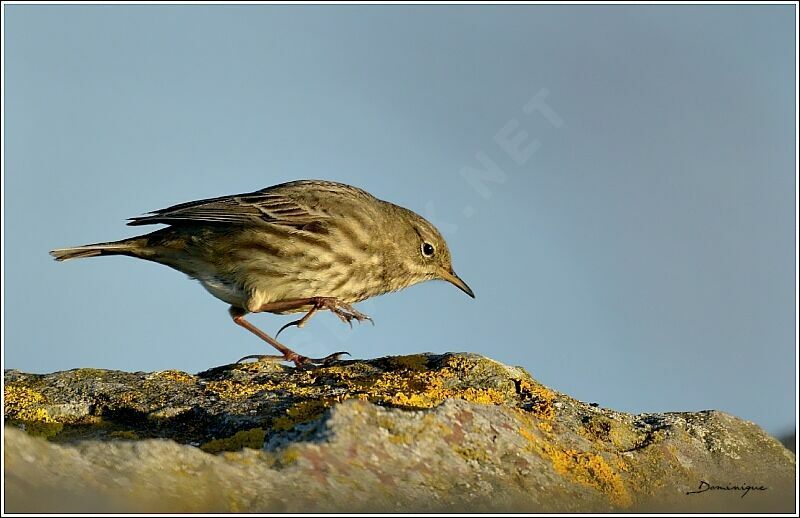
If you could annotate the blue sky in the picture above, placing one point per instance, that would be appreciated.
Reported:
(630, 238)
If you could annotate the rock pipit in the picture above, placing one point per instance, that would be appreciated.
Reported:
(301, 246)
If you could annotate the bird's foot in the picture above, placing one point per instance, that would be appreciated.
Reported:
(343, 310)
(331, 359)
(299, 360)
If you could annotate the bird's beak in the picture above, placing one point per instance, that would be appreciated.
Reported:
(451, 277)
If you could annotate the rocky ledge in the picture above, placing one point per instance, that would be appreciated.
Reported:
(451, 432)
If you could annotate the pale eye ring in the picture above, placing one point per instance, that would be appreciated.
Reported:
(427, 249)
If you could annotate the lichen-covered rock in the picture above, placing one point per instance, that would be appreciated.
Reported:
(448, 432)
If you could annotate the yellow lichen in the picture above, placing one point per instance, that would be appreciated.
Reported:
(129, 398)
(399, 439)
(252, 438)
(233, 390)
(412, 388)
(88, 372)
(586, 468)
(434, 395)
(459, 363)
(302, 412)
(175, 375)
(621, 435)
(24, 404)
(26, 407)
(408, 385)
(300, 384)
(472, 454)
(43, 429)
(259, 366)
(487, 396)
(289, 455)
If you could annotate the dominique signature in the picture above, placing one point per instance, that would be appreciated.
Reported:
(705, 486)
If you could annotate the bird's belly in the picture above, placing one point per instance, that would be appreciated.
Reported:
(228, 292)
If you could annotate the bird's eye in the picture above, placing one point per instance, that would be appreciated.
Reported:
(427, 250)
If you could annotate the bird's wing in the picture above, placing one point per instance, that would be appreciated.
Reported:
(285, 204)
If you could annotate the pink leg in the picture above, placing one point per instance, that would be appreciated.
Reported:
(286, 354)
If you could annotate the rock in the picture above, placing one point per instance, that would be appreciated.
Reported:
(452, 432)
(790, 441)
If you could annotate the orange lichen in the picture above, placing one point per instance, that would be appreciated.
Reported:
(592, 470)
(587, 468)
(542, 398)
(545, 426)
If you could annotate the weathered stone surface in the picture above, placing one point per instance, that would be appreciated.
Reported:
(414, 433)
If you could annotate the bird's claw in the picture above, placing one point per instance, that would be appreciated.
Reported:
(328, 360)
(262, 358)
(346, 312)
(297, 323)
(299, 361)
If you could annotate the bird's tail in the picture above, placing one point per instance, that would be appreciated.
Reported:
(124, 247)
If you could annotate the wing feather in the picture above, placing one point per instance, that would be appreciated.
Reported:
(245, 209)
(291, 204)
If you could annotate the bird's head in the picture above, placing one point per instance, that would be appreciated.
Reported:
(424, 252)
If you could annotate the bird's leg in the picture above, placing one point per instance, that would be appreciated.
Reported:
(344, 311)
(286, 354)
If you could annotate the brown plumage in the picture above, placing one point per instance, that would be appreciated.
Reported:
(301, 246)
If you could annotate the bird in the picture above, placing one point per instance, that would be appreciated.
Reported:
(297, 247)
